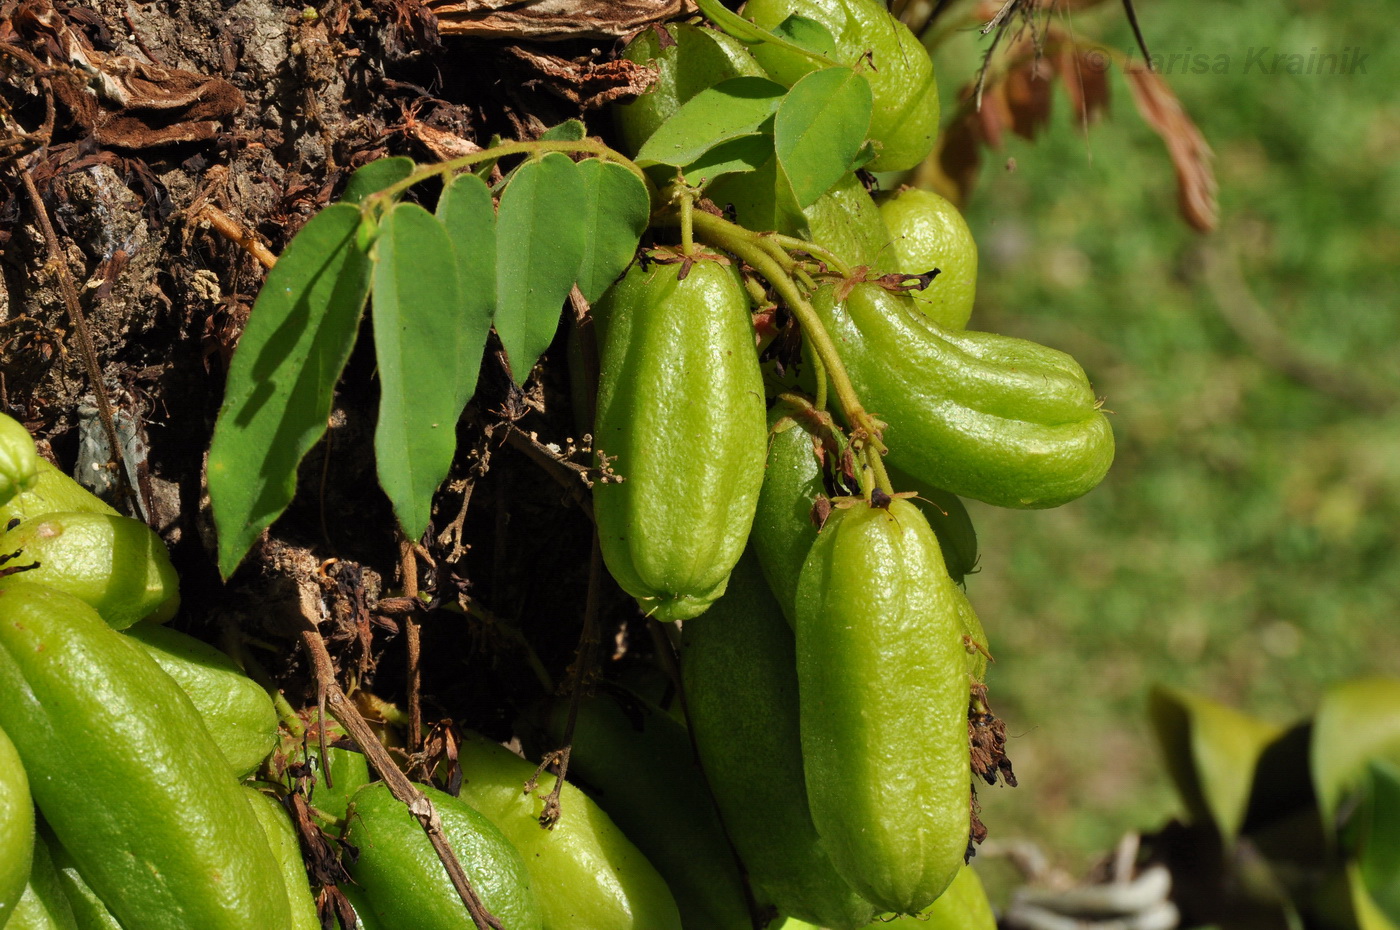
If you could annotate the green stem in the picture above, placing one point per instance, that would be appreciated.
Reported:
(878, 470)
(381, 200)
(687, 224)
(747, 245)
(821, 253)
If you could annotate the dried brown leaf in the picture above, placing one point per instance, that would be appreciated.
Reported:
(1026, 90)
(1191, 156)
(1085, 79)
(552, 20)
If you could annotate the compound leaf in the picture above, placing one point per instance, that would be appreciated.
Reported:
(418, 344)
(819, 129)
(616, 211)
(282, 378)
(540, 244)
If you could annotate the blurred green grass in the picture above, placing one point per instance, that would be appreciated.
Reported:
(1244, 543)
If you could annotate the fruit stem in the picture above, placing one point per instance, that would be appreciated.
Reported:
(753, 248)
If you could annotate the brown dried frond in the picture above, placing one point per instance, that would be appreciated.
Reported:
(1191, 156)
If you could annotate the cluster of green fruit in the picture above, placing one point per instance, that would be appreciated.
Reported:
(831, 658)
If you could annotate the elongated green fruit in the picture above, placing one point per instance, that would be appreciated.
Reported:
(286, 848)
(883, 685)
(16, 828)
(693, 59)
(236, 710)
(587, 874)
(19, 460)
(638, 765)
(846, 221)
(365, 917)
(905, 120)
(990, 417)
(927, 232)
(115, 564)
(681, 421)
(740, 670)
(44, 905)
(161, 832)
(52, 492)
(89, 911)
(405, 882)
(783, 531)
(964, 906)
(949, 518)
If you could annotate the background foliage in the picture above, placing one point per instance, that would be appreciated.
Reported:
(1243, 544)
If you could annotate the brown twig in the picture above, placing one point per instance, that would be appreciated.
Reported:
(576, 479)
(59, 263)
(329, 694)
(408, 565)
(237, 233)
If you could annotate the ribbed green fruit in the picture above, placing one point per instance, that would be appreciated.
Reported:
(994, 418)
(89, 911)
(125, 773)
(587, 874)
(964, 906)
(52, 492)
(883, 685)
(681, 420)
(236, 710)
(905, 119)
(19, 460)
(404, 880)
(927, 232)
(286, 849)
(44, 904)
(115, 564)
(740, 669)
(16, 828)
(637, 762)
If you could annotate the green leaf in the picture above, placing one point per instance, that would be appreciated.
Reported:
(615, 215)
(467, 211)
(418, 348)
(1356, 721)
(820, 127)
(730, 109)
(568, 131)
(375, 176)
(752, 33)
(737, 156)
(539, 246)
(1211, 752)
(282, 378)
(807, 33)
(1378, 836)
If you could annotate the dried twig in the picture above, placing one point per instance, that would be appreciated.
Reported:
(237, 233)
(330, 695)
(408, 565)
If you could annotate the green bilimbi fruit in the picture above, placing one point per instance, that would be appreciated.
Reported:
(783, 531)
(681, 420)
(994, 418)
(948, 516)
(639, 763)
(115, 564)
(125, 773)
(587, 874)
(286, 848)
(236, 710)
(927, 232)
(89, 911)
(19, 460)
(44, 904)
(846, 221)
(964, 906)
(53, 492)
(405, 882)
(740, 670)
(905, 120)
(693, 59)
(16, 828)
(883, 686)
